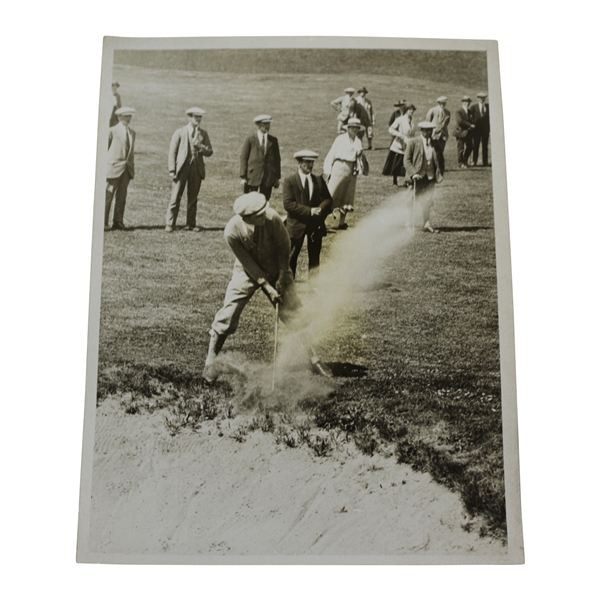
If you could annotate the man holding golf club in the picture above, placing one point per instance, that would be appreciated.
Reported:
(261, 245)
(423, 169)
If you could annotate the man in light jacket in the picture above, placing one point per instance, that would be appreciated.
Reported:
(121, 168)
(423, 168)
(440, 116)
(189, 145)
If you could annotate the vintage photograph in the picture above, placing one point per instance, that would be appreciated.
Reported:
(301, 335)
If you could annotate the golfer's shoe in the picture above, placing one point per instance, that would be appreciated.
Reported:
(209, 374)
(320, 369)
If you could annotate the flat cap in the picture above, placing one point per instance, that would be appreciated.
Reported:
(195, 111)
(125, 110)
(426, 125)
(349, 90)
(306, 155)
(482, 95)
(263, 119)
(442, 99)
(250, 205)
(465, 99)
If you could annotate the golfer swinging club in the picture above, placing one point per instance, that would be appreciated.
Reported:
(261, 245)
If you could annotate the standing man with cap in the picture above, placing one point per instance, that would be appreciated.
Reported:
(464, 133)
(189, 145)
(368, 106)
(114, 119)
(422, 167)
(260, 161)
(307, 202)
(121, 168)
(341, 105)
(261, 246)
(480, 114)
(440, 116)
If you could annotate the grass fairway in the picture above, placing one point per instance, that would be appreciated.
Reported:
(418, 351)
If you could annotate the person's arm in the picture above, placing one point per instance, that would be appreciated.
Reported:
(173, 155)
(328, 163)
(205, 147)
(395, 128)
(277, 160)
(252, 268)
(284, 247)
(326, 204)
(244, 159)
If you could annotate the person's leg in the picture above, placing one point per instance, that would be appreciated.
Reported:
(314, 244)
(460, 151)
(266, 190)
(111, 187)
(425, 197)
(120, 199)
(176, 193)
(193, 189)
(485, 138)
(476, 142)
(296, 246)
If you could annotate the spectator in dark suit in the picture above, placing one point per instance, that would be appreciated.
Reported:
(307, 202)
(260, 162)
(480, 115)
(189, 145)
(464, 133)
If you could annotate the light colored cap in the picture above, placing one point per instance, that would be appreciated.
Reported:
(195, 111)
(465, 99)
(306, 155)
(353, 122)
(426, 125)
(349, 90)
(263, 119)
(250, 205)
(442, 99)
(482, 95)
(125, 110)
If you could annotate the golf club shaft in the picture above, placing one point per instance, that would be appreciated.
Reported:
(275, 348)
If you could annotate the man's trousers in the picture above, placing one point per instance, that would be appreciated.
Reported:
(116, 188)
(190, 178)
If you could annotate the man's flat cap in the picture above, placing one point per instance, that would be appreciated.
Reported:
(306, 155)
(426, 125)
(465, 99)
(125, 110)
(195, 111)
(349, 90)
(263, 119)
(250, 205)
(442, 99)
(482, 95)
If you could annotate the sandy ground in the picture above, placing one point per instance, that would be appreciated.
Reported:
(204, 493)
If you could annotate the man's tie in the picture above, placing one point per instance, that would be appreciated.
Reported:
(264, 139)
(305, 191)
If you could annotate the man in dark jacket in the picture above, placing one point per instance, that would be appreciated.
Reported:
(307, 202)
(260, 162)
(480, 115)
(464, 133)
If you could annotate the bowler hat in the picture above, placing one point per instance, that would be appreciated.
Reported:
(253, 204)
(263, 119)
(195, 111)
(125, 110)
(306, 155)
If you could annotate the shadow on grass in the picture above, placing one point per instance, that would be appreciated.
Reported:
(340, 369)
(162, 227)
(470, 228)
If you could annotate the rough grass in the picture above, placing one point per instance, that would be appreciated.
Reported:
(417, 358)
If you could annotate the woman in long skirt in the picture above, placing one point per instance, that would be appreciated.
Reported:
(342, 165)
(402, 129)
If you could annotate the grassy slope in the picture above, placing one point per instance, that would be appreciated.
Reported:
(427, 336)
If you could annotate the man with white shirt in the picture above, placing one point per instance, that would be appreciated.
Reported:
(260, 161)
(261, 246)
(121, 168)
(189, 145)
(307, 201)
(480, 115)
(422, 167)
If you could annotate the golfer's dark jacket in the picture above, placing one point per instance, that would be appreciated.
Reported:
(258, 167)
(298, 206)
(463, 123)
(482, 122)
